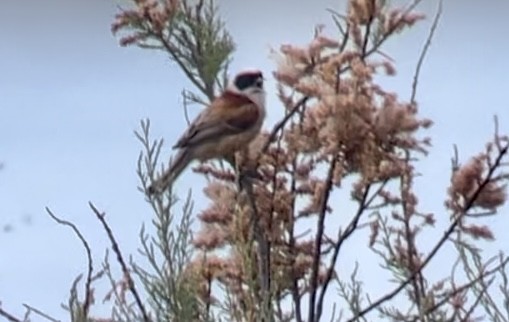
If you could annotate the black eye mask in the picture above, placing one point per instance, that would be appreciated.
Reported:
(248, 80)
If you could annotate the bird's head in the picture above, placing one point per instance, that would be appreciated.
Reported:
(250, 84)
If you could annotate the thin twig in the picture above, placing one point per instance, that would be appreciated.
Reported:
(473, 272)
(409, 236)
(424, 51)
(291, 243)
(464, 287)
(352, 226)
(171, 50)
(318, 241)
(121, 261)
(470, 311)
(368, 27)
(88, 281)
(246, 184)
(9, 317)
(440, 243)
(39, 312)
(281, 124)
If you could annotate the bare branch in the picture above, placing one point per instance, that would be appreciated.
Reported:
(40, 313)
(464, 287)
(246, 184)
(478, 299)
(342, 237)
(368, 28)
(88, 282)
(318, 243)
(8, 316)
(469, 204)
(424, 51)
(121, 261)
(281, 124)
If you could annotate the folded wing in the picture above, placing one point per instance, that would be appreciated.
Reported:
(229, 114)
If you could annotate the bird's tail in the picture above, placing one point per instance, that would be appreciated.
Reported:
(178, 164)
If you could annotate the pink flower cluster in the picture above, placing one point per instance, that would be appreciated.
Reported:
(149, 17)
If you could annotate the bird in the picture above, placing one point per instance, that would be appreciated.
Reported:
(227, 125)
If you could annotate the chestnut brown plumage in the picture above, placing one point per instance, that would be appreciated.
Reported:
(227, 125)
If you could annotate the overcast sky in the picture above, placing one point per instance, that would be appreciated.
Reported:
(70, 99)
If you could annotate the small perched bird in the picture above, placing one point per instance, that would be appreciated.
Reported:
(227, 125)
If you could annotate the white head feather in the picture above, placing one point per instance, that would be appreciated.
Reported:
(249, 83)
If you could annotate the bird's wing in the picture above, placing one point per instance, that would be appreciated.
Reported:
(228, 114)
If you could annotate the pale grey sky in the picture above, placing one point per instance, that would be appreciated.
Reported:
(70, 98)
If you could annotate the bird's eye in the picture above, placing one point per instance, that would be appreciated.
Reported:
(259, 83)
